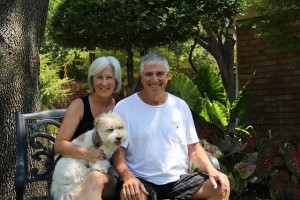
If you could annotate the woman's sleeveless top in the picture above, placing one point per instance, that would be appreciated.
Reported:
(87, 121)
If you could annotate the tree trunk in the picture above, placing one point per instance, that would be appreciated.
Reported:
(223, 54)
(226, 66)
(22, 25)
(129, 67)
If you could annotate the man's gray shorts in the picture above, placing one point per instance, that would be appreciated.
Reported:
(183, 189)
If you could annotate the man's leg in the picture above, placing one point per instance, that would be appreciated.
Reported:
(143, 196)
(152, 194)
(209, 193)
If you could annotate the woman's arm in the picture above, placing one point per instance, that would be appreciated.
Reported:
(65, 134)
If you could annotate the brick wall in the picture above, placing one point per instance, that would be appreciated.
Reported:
(76, 91)
(275, 87)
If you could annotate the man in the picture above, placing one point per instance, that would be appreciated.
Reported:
(162, 140)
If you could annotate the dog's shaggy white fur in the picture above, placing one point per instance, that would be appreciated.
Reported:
(69, 173)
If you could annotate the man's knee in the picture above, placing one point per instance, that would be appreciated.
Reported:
(206, 191)
(143, 196)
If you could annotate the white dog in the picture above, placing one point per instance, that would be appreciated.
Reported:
(69, 173)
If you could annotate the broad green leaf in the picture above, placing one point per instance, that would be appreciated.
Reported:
(292, 158)
(278, 184)
(293, 189)
(181, 86)
(244, 169)
(222, 113)
(243, 105)
(209, 82)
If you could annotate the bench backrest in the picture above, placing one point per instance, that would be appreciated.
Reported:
(35, 151)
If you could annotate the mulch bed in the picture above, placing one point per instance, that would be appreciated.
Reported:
(253, 192)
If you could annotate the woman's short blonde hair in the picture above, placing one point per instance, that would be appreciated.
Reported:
(99, 65)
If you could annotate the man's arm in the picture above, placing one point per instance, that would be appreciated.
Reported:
(120, 164)
(199, 157)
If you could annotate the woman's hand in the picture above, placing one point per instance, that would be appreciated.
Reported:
(94, 154)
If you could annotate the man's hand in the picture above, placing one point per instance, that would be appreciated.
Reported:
(218, 178)
(133, 189)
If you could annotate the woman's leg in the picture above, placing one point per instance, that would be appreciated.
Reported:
(98, 185)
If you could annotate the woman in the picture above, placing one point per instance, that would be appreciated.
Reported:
(104, 79)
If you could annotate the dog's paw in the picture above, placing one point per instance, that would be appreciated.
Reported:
(100, 165)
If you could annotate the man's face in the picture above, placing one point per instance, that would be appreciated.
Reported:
(154, 78)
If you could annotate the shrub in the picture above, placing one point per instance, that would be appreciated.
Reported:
(50, 83)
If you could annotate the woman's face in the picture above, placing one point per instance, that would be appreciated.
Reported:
(104, 83)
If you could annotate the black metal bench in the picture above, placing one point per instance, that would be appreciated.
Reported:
(35, 153)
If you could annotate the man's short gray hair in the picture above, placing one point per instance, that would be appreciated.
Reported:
(154, 58)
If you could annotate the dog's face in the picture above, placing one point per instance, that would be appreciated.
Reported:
(111, 128)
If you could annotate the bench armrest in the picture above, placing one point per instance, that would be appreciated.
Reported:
(30, 127)
(214, 161)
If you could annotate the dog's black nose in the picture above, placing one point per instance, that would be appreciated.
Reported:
(119, 138)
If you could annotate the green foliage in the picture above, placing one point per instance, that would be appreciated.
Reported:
(209, 83)
(281, 167)
(212, 122)
(237, 184)
(216, 106)
(244, 169)
(120, 24)
(277, 164)
(278, 184)
(141, 25)
(280, 24)
(243, 105)
(50, 83)
(293, 189)
(216, 20)
(220, 11)
(273, 163)
(292, 158)
(245, 158)
(48, 45)
(180, 85)
(214, 112)
(268, 161)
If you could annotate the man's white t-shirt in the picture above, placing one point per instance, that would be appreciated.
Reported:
(157, 138)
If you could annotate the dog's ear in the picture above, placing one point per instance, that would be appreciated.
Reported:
(99, 120)
(96, 139)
